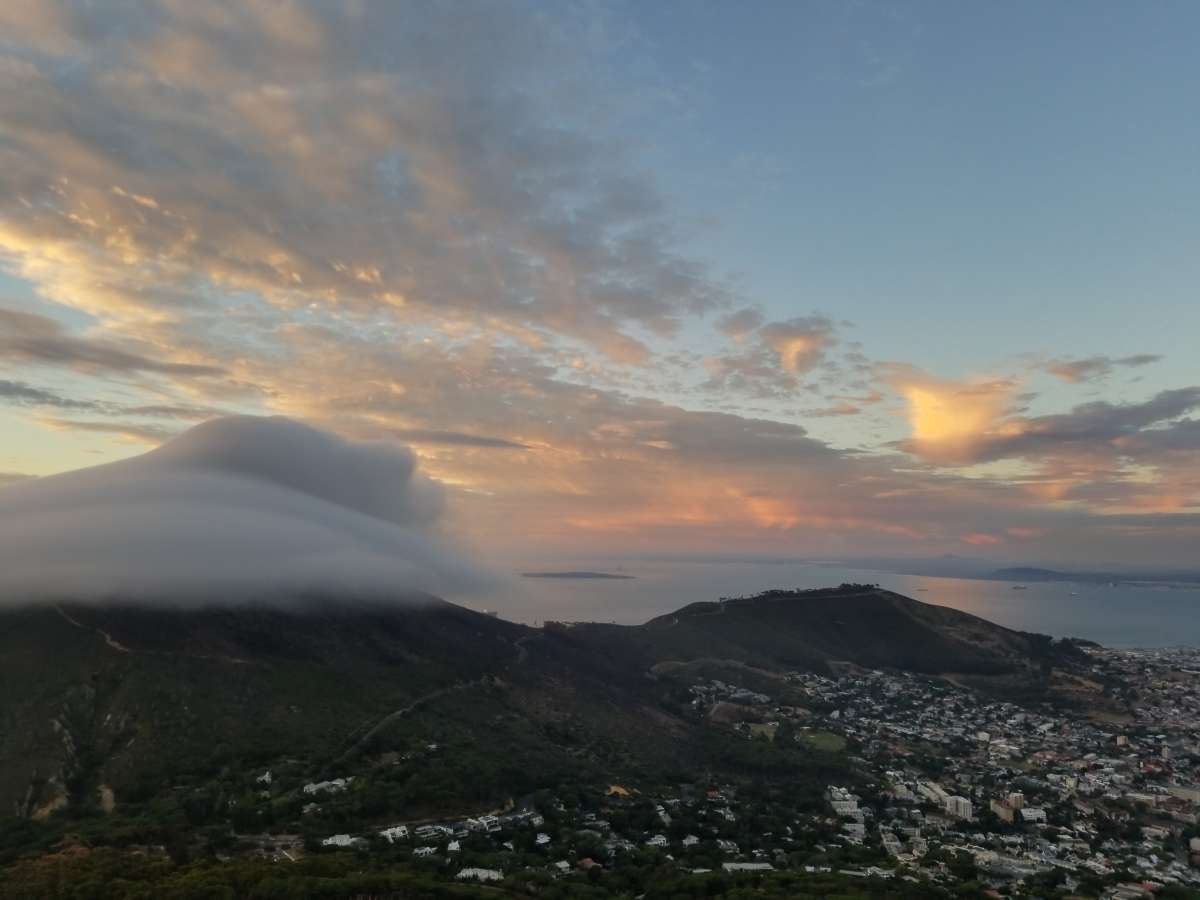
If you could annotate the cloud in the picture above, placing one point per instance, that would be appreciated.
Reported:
(406, 160)
(838, 408)
(27, 337)
(1091, 428)
(1101, 452)
(948, 419)
(741, 322)
(23, 394)
(772, 357)
(456, 439)
(235, 508)
(1093, 367)
(800, 343)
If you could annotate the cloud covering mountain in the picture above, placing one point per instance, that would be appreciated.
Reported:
(234, 508)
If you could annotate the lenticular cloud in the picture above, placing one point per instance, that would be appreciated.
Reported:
(236, 508)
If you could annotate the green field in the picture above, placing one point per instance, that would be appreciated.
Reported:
(825, 741)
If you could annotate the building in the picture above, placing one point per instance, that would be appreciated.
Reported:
(472, 874)
(959, 807)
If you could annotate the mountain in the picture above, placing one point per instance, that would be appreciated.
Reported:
(1168, 578)
(128, 696)
(1029, 573)
(114, 705)
(859, 624)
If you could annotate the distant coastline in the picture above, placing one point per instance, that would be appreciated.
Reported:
(980, 570)
(581, 575)
(1187, 580)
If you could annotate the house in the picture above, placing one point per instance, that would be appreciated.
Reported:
(395, 833)
(747, 867)
(542, 839)
(659, 840)
(691, 841)
(473, 874)
(422, 852)
(453, 847)
(340, 840)
(335, 786)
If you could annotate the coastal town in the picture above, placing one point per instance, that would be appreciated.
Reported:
(947, 787)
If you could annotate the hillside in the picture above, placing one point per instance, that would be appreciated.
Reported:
(113, 706)
(859, 624)
(126, 697)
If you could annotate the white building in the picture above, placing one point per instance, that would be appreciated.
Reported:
(395, 833)
(959, 807)
(335, 786)
(473, 874)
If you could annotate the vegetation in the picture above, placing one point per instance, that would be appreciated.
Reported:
(136, 742)
(75, 874)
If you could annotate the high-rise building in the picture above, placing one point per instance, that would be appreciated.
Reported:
(959, 807)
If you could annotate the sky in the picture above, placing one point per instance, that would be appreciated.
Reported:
(820, 279)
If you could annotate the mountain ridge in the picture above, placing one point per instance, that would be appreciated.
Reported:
(128, 699)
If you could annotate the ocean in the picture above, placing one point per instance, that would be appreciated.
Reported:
(1120, 616)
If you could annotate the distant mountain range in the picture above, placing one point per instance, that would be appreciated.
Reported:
(1032, 573)
(118, 703)
(952, 566)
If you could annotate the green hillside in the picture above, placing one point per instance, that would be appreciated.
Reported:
(859, 624)
(128, 727)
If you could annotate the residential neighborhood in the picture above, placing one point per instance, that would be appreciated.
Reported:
(949, 786)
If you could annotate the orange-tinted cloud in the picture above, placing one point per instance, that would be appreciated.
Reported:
(948, 419)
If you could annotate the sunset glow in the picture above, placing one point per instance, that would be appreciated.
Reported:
(604, 302)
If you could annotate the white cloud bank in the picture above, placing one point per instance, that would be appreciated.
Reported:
(236, 508)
